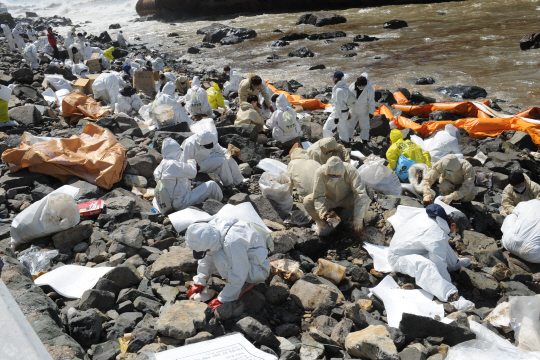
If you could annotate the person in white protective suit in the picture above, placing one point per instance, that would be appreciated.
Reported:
(129, 102)
(212, 158)
(17, 31)
(340, 113)
(32, 35)
(175, 177)
(31, 55)
(232, 249)
(283, 122)
(521, 231)
(9, 36)
(76, 53)
(234, 81)
(167, 97)
(443, 143)
(106, 88)
(197, 100)
(166, 77)
(134, 66)
(68, 41)
(420, 249)
(121, 40)
(363, 108)
(81, 39)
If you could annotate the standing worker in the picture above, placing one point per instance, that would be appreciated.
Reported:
(456, 180)
(519, 189)
(68, 41)
(17, 31)
(340, 113)
(121, 40)
(9, 35)
(32, 36)
(31, 56)
(53, 43)
(234, 81)
(364, 107)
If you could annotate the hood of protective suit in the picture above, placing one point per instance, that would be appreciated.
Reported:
(365, 74)
(70, 34)
(196, 81)
(282, 103)
(216, 86)
(171, 149)
(335, 166)
(168, 88)
(245, 106)
(206, 137)
(395, 135)
(452, 130)
(341, 84)
(451, 162)
(202, 237)
(183, 79)
(328, 144)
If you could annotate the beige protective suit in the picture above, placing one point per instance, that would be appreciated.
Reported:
(459, 184)
(349, 192)
(325, 148)
(301, 172)
(182, 85)
(510, 198)
(248, 115)
(245, 90)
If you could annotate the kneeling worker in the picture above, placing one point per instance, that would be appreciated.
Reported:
(175, 192)
(232, 249)
(250, 113)
(337, 184)
(325, 148)
(521, 188)
(456, 180)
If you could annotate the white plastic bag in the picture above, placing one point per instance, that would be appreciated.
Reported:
(521, 231)
(380, 178)
(56, 212)
(58, 82)
(37, 261)
(277, 187)
(203, 125)
(272, 165)
(417, 172)
(483, 350)
(525, 321)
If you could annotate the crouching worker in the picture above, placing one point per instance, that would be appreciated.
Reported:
(520, 189)
(250, 113)
(420, 249)
(337, 184)
(325, 148)
(129, 102)
(229, 248)
(285, 128)
(173, 191)
(406, 148)
(456, 180)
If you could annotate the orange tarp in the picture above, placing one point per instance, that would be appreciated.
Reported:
(400, 98)
(464, 108)
(95, 156)
(531, 113)
(78, 106)
(307, 104)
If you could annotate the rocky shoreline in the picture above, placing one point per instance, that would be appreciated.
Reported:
(310, 318)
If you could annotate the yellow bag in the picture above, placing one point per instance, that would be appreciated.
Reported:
(4, 117)
(215, 98)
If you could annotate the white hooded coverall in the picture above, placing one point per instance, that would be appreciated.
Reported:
(521, 231)
(211, 160)
(106, 88)
(340, 112)
(31, 56)
(167, 97)
(420, 249)
(197, 100)
(69, 40)
(31, 35)
(77, 57)
(18, 38)
(237, 253)
(232, 84)
(9, 37)
(121, 40)
(365, 105)
(443, 143)
(280, 131)
(128, 104)
(175, 176)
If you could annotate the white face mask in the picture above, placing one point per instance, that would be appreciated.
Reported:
(335, 180)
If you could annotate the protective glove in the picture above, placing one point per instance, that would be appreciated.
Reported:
(234, 151)
(358, 226)
(428, 199)
(329, 215)
(448, 199)
(195, 289)
(215, 303)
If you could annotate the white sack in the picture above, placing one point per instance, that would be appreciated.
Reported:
(277, 187)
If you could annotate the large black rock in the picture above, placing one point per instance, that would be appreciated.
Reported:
(66, 73)
(217, 32)
(7, 17)
(395, 24)
(301, 52)
(104, 37)
(24, 75)
(294, 36)
(365, 38)
(280, 43)
(463, 91)
(530, 41)
(379, 126)
(416, 326)
(321, 19)
(327, 35)
(348, 47)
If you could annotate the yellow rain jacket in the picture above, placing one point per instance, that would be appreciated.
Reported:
(411, 151)
(108, 54)
(215, 98)
(325, 148)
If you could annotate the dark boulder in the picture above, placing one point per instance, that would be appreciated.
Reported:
(424, 81)
(463, 91)
(379, 126)
(7, 17)
(104, 37)
(31, 14)
(443, 115)
(25, 115)
(280, 43)
(348, 47)
(318, 67)
(395, 24)
(205, 46)
(173, 34)
(327, 35)
(66, 73)
(531, 41)
(416, 326)
(321, 19)
(24, 75)
(217, 32)
(114, 26)
(119, 53)
(193, 50)
(301, 52)
(365, 38)
(350, 54)
(384, 96)
(231, 40)
(419, 99)
(294, 36)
